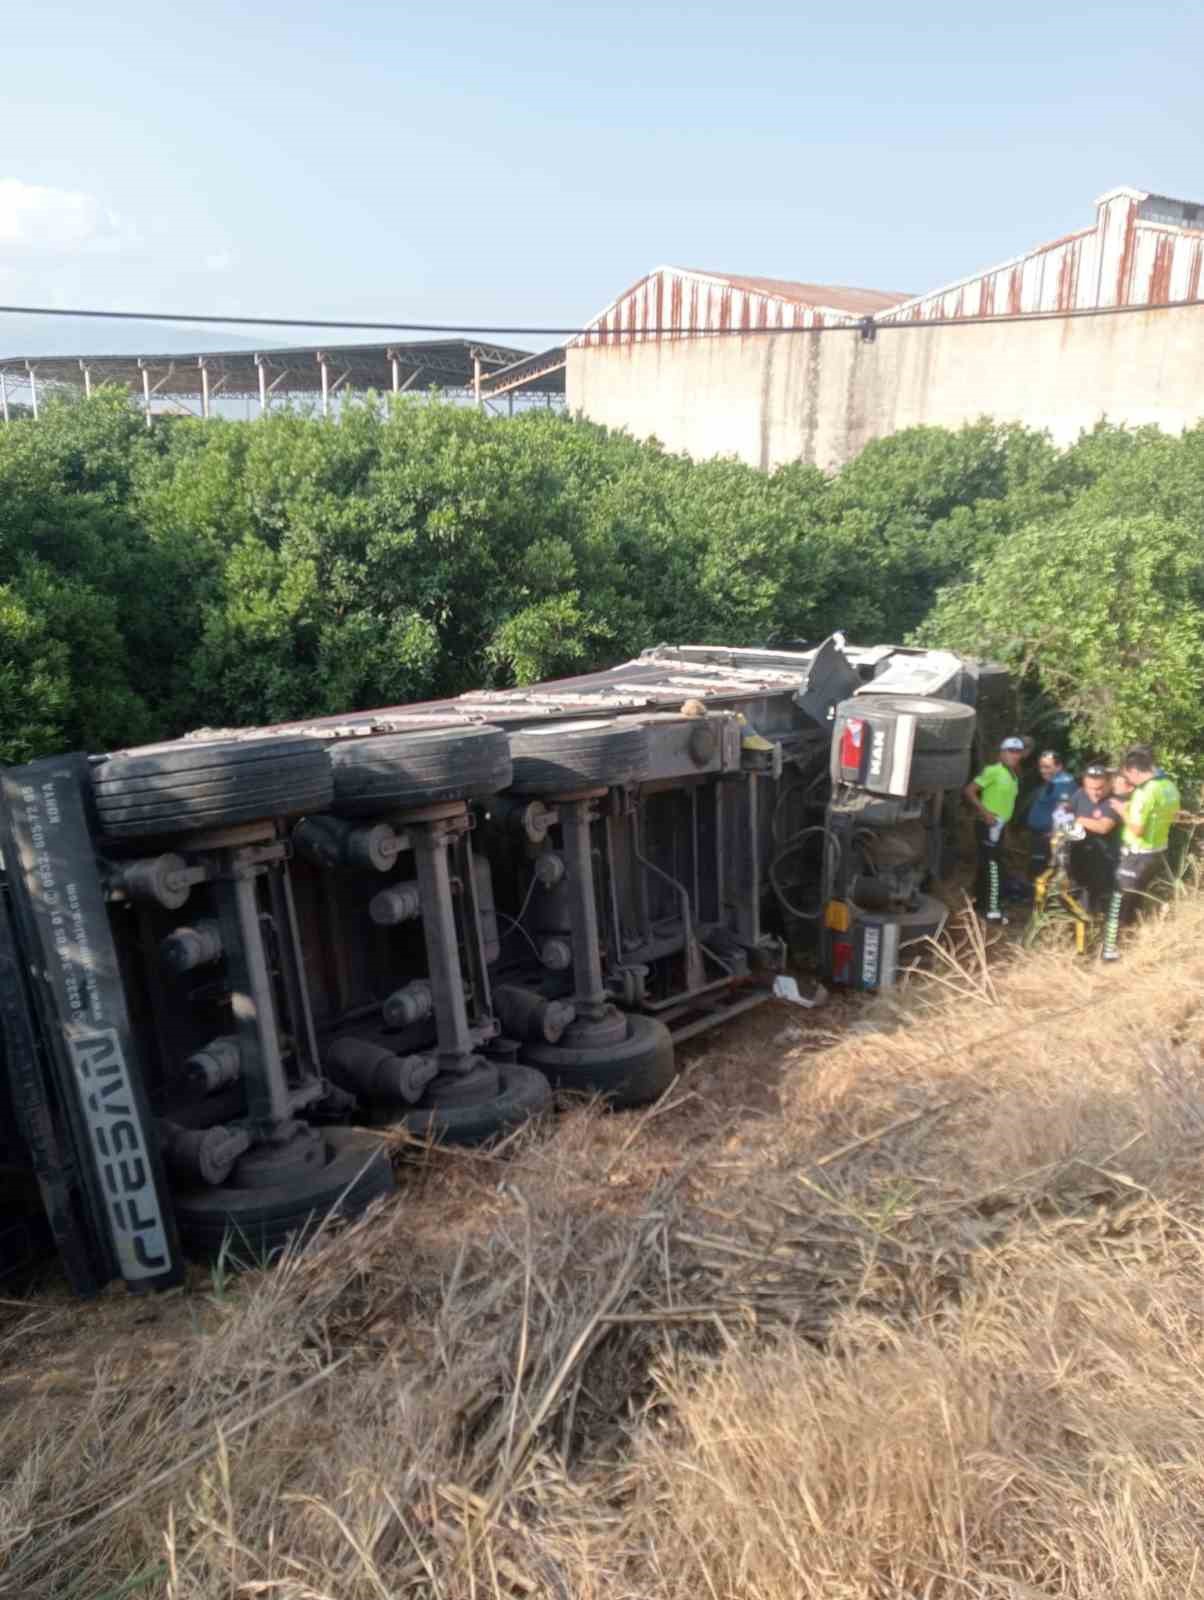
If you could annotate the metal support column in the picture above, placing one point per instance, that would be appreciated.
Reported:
(204, 366)
(742, 887)
(589, 996)
(325, 385)
(476, 378)
(4, 393)
(87, 372)
(263, 383)
(33, 387)
(147, 391)
(510, 404)
(431, 842)
(398, 386)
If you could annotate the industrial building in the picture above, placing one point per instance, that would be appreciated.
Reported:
(1098, 323)
(676, 301)
(1104, 321)
(206, 381)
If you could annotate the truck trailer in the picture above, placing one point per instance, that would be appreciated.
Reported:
(228, 961)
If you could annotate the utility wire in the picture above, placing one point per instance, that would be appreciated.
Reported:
(868, 324)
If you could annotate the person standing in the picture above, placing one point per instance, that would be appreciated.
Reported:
(1093, 858)
(1152, 807)
(1057, 788)
(993, 796)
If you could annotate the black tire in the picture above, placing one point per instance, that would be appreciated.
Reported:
(525, 1093)
(941, 725)
(402, 771)
(873, 811)
(630, 1073)
(190, 786)
(925, 922)
(940, 769)
(260, 1222)
(563, 756)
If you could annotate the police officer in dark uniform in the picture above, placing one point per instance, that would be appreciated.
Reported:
(1093, 858)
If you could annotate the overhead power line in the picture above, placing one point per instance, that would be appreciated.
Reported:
(273, 322)
(616, 335)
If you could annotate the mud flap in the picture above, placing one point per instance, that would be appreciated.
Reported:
(77, 1082)
(45, 1142)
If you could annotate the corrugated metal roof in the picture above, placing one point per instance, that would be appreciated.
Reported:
(444, 362)
(1142, 249)
(419, 364)
(832, 297)
(672, 301)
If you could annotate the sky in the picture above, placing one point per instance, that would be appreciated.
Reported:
(523, 164)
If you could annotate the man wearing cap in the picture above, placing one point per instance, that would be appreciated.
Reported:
(1057, 788)
(1093, 858)
(1152, 807)
(993, 795)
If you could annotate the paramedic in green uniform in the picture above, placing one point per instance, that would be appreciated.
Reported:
(1151, 808)
(993, 795)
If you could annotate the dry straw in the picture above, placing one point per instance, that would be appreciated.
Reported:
(909, 1307)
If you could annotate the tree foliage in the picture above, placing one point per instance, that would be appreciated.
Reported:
(221, 573)
(1101, 607)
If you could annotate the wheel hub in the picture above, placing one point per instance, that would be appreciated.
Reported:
(589, 1033)
(479, 1083)
(266, 1165)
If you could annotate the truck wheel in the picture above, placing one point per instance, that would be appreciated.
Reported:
(630, 1073)
(940, 769)
(193, 785)
(524, 1094)
(562, 756)
(940, 724)
(925, 922)
(943, 738)
(260, 1221)
(401, 771)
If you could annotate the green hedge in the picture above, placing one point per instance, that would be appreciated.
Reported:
(225, 573)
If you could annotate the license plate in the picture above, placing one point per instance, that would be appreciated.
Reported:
(126, 1175)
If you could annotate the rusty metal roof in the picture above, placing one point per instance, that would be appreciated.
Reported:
(834, 297)
(543, 372)
(1142, 249)
(675, 301)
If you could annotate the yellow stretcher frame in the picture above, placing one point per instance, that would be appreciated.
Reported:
(1057, 879)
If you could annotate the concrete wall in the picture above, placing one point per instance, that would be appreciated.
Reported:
(819, 397)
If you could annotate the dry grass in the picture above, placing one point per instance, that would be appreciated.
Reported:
(902, 1299)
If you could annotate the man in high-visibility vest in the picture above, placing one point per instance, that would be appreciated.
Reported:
(1151, 808)
(993, 796)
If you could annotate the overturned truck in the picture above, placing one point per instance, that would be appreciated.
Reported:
(225, 960)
